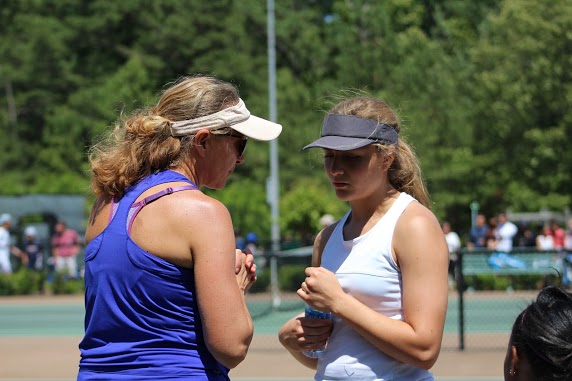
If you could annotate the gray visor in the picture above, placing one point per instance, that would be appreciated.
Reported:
(347, 132)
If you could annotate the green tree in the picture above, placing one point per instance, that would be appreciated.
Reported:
(304, 205)
(521, 96)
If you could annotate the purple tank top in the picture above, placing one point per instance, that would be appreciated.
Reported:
(142, 321)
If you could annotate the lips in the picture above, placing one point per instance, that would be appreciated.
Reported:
(339, 184)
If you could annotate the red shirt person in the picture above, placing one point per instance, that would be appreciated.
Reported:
(66, 244)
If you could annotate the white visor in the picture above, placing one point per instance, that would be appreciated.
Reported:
(236, 117)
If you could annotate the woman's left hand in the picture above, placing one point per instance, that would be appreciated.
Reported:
(321, 289)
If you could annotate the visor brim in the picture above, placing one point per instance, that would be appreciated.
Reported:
(258, 128)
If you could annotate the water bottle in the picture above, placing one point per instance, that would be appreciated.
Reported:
(311, 312)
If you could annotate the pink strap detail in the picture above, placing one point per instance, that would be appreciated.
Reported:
(136, 207)
(112, 210)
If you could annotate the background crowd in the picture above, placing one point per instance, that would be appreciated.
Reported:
(60, 253)
(498, 233)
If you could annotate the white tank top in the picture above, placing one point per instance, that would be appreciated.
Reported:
(367, 271)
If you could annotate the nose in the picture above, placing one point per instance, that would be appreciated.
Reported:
(240, 160)
(333, 166)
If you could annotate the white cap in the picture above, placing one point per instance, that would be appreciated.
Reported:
(5, 217)
(236, 117)
(31, 231)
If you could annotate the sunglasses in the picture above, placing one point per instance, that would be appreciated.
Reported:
(241, 144)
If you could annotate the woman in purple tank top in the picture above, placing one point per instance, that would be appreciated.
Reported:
(165, 286)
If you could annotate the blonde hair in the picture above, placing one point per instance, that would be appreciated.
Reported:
(405, 172)
(141, 143)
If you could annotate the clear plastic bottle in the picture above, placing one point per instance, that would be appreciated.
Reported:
(313, 313)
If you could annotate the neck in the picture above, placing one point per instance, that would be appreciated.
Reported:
(188, 170)
(374, 207)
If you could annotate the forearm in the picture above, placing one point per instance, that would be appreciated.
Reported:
(395, 338)
(16, 251)
(229, 337)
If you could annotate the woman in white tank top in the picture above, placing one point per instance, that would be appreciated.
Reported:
(382, 269)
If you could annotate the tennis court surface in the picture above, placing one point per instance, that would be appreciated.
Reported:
(39, 338)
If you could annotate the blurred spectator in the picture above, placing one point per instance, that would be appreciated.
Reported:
(326, 220)
(255, 249)
(559, 235)
(526, 238)
(252, 242)
(454, 245)
(452, 238)
(491, 232)
(66, 244)
(567, 260)
(568, 238)
(478, 233)
(6, 247)
(33, 248)
(505, 233)
(240, 240)
(545, 239)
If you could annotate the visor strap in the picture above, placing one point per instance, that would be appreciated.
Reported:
(223, 118)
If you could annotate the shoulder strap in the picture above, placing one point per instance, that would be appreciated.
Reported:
(136, 207)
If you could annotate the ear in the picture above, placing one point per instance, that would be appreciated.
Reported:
(200, 141)
(388, 160)
(513, 361)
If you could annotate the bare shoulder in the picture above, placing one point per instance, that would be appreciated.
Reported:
(417, 216)
(420, 223)
(196, 208)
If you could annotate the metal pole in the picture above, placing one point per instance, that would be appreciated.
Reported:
(272, 188)
(461, 292)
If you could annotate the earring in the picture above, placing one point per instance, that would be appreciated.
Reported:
(512, 372)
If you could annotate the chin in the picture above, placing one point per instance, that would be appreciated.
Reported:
(342, 194)
(217, 186)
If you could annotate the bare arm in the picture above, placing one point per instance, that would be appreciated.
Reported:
(422, 254)
(227, 324)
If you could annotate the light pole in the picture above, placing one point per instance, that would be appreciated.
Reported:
(272, 183)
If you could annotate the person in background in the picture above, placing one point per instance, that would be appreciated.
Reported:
(257, 251)
(504, 234)
(326, 220)
(382, 269)
(526, 238)
(545, 240)
(454, 245)
(33, 248)
(239, 239)
(568, 237)
(6, 246)
(567, 258)
(165, 286)
(559, 235)
(478, 233)
(492, 233)
(66, 245)
(252, 242)
(540, 344)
